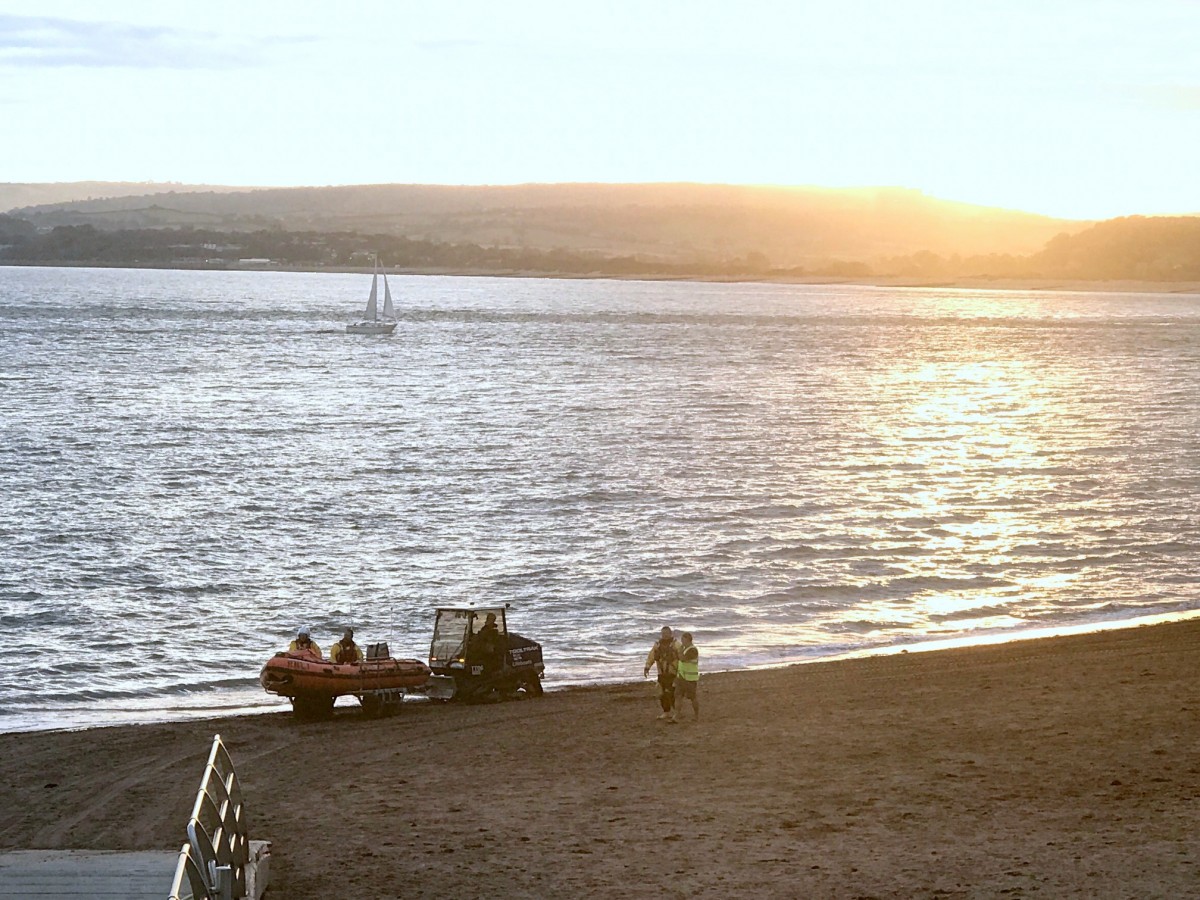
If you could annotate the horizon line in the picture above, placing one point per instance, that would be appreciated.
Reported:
(233, 187)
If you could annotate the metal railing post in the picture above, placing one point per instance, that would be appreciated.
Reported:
(224, 883)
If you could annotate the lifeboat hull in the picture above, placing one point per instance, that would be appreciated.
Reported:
(299, 675)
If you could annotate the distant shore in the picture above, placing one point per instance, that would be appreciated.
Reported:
(981, 284)
(1062, 766)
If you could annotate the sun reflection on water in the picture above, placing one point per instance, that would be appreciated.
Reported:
(973, 438)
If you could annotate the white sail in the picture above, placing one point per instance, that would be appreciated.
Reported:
(371, 323)
(372, 312)
(388, 312)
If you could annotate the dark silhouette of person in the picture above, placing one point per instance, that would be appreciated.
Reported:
(489, 645)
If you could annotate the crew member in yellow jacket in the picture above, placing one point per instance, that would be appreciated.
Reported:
(346, 651)
(688, 675)
(305, 644)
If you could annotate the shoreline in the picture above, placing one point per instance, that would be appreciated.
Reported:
(932, 645)
(1056, 285)
(1063, 766)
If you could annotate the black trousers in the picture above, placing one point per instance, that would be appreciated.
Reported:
(666, 691)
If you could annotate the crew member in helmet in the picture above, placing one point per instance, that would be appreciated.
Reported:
(346, 651)
(305, 644)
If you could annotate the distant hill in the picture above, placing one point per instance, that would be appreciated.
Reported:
(1159, 248)
(677, 224)
(1134, 249)
(16, 195)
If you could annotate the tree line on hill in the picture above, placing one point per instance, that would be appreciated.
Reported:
(1135, 247)
(666, 222)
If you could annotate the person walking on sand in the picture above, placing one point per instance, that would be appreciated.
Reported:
(665, 655)
(687, 676)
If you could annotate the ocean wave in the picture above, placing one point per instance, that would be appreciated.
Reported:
(973, 613)
(911, 584)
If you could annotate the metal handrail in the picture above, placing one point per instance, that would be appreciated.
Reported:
(212, 865)
(189, 882)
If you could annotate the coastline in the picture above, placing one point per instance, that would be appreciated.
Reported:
(1060, 765)
(973, 284)
(230, 707)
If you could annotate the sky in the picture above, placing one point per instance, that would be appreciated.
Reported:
(1079, 109)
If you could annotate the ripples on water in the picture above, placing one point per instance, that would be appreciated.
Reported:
(194, 463)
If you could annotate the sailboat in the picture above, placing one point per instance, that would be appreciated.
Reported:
(372, 322)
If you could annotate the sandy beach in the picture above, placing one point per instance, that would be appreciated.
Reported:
(1060, 767)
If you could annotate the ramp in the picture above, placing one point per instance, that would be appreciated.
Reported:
(76, 874)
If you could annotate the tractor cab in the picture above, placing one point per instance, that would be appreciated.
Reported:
(462, 637)
(476, 656)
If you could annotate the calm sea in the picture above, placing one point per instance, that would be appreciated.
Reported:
(193, 464)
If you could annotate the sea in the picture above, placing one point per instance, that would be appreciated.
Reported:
(193, 464)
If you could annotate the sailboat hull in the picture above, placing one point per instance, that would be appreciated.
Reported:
(371, 328)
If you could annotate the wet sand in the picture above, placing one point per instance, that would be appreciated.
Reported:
(1061, 767)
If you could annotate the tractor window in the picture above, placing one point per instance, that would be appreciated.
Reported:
(480, 620)
(449, 633)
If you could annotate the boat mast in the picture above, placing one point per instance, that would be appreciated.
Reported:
(373, 301)
(374, 283)
(389, 312)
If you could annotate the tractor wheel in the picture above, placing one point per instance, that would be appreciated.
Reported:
(533, 687)
(466, 690)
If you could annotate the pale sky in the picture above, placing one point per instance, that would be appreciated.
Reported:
(1079, 108)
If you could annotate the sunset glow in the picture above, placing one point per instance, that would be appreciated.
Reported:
(1073, 109)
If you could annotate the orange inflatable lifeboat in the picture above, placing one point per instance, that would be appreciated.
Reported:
(313, 684)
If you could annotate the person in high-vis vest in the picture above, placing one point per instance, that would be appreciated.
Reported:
(688, 675)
